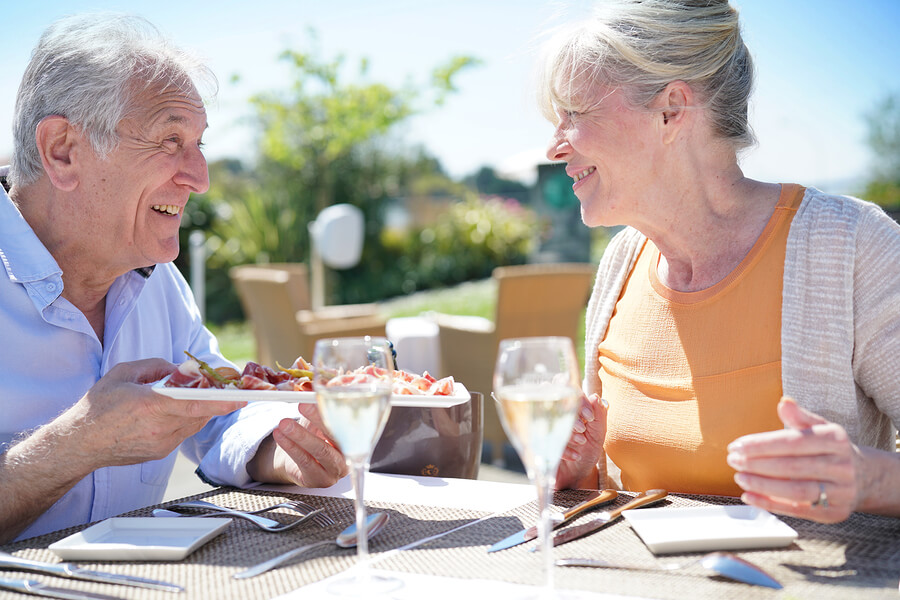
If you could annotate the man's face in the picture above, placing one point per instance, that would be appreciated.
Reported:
(135, 197)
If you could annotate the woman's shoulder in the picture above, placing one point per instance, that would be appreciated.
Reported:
(839, 226)
(819, 204)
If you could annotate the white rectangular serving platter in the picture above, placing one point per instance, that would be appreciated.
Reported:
(459, 396)
(706, 528)
(139, 538)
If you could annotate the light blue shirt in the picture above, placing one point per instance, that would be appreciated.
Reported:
(50, 356)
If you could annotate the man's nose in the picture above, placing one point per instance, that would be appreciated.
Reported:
(194, 171)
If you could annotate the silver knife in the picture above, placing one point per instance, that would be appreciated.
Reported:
(530, 533)
(32, 586)
(8, 561)
(606, 517)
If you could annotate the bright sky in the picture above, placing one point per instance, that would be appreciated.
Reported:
(822, 65)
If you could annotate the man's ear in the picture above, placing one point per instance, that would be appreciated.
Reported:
(56, 142)
(673, 102)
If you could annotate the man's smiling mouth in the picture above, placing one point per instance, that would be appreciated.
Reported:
(584, 174)
(168, 209)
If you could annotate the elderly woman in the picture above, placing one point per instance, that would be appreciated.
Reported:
(744, 334)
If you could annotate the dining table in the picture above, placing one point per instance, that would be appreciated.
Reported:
(437, 539)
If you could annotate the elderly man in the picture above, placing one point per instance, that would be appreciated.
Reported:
(108, 130)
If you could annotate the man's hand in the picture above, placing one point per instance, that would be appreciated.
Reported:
(119, 421)
(299, 452)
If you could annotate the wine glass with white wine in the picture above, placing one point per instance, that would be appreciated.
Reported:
(536, 386)
(352, 378)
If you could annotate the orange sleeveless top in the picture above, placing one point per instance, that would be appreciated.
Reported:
(687, 373)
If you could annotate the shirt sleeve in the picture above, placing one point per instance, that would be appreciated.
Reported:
(225, 446)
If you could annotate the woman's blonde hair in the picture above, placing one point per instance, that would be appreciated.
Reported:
(641, 46)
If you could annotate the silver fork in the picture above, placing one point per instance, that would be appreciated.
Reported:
(303, 508)
(261, 522)
(296, 505)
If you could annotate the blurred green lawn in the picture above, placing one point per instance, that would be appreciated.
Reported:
(472, 298)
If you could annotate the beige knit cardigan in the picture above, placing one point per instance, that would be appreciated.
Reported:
(840, 321)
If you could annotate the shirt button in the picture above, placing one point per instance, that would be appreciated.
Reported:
(122, 302)
(51, 287)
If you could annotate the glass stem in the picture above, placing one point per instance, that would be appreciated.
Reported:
(357, 474)
(545, 484)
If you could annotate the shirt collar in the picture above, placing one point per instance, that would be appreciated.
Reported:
(23, 255)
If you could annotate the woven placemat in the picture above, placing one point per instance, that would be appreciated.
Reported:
(206, 573)
(859, 558)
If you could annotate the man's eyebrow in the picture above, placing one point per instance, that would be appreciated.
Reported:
(179, 120)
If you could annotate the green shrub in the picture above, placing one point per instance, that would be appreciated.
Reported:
(467, 242)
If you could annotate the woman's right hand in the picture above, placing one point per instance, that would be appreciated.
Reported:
(578, 468)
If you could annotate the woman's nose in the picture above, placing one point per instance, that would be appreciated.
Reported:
(559, 148)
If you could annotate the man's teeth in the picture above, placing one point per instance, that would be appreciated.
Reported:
(585, 173)
(169, 209)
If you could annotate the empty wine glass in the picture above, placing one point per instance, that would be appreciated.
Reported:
(352, 378)
(537, 389)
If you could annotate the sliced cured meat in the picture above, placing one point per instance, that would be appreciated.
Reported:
(192, 374)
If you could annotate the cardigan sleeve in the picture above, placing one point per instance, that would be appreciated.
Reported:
(840, 316)
(876, 302)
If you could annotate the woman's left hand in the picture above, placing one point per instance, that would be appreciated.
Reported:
(810, 469)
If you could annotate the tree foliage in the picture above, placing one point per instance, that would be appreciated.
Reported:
(327, 138)
(884, 139)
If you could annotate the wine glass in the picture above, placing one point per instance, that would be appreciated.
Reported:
(536, 385)
(352, 378)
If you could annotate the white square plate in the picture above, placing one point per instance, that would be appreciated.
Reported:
(460, 395)
(139, 538)
(706, 528)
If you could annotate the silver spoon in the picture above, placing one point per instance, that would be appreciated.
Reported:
(724, 563)
(345, 539)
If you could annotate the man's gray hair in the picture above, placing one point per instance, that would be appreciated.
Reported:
(89, 68)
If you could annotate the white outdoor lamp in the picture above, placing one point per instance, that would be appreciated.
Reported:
(336, 240)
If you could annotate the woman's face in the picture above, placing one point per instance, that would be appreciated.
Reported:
(609, 148)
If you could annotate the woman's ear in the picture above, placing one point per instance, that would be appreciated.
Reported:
(56, 142)
(673, 103)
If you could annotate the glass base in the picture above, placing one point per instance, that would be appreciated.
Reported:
(545, 593)
(364, 585)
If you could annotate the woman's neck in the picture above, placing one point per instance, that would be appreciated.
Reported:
(710, 229)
